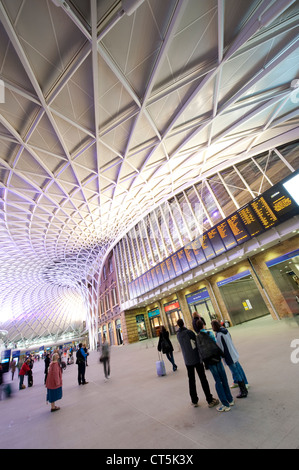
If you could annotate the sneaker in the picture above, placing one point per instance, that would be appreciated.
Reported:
(234, 385)
(214, 402)
(232, 403)
(194, 404)
(223, 408)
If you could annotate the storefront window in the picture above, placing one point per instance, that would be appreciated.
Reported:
(173, 313)
(200, 303)
(155, 321)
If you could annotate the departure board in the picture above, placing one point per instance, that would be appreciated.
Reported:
(198, 251)
(250, 221)
(264, 212)
(165, 272)
(145, 284)
(183, 260)
(216, 241)
(159, 274)
(206, 246)
(190, 256)
(136, 287)
(237, 227)
(226, 235)
(149, 280)
(170, 268)
(176, 264)
(154, 277)
(281, 201)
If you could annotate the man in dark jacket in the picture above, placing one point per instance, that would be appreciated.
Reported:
(187, 341)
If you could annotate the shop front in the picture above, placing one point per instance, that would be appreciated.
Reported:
(200, 303)
(119, 336)
(173, 313)
(155, 321)
(141, 327)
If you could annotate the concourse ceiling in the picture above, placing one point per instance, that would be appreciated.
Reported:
(108, 108)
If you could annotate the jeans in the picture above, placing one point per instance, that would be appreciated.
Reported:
(170, 357)
(203, 380)
(238, 373)
(81, 373)
(221, 384)
(21, 381)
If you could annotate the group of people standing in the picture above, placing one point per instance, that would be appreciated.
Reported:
(203, 350)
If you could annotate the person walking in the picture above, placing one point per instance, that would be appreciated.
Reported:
(211, 355)
(166, 347)
(12, 368)
(231, 357)
(187, 341)
(81, 362)
(105, 357)
(54, 383)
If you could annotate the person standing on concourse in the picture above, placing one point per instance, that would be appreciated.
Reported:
(81, 362)
(187, 340)
(54, 383)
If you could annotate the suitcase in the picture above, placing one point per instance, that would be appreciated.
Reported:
(160, 367)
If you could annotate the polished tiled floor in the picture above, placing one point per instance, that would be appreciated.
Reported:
(135, 409)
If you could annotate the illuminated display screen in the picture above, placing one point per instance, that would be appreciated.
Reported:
(198, 252)
(183, 260)
(165, 272)
(292, 187)
(274, 206)
(216, 241)
(250, 221)
(176, 264)
(226, 235)
(170, 268)
(264, 212)
(206, 246)
(190, 256)
(237, 227)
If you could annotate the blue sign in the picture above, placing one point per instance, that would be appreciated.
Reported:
(197, 296)
(282, 258)
(153, 313)
(233, 278)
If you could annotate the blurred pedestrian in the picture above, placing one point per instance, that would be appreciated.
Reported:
(12, 366)
(105, 357)
(166, 347)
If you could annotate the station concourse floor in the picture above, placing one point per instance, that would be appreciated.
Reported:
(136, 409)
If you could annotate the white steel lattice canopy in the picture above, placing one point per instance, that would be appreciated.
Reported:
(108, 108)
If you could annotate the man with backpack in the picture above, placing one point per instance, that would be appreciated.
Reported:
(211, 355)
